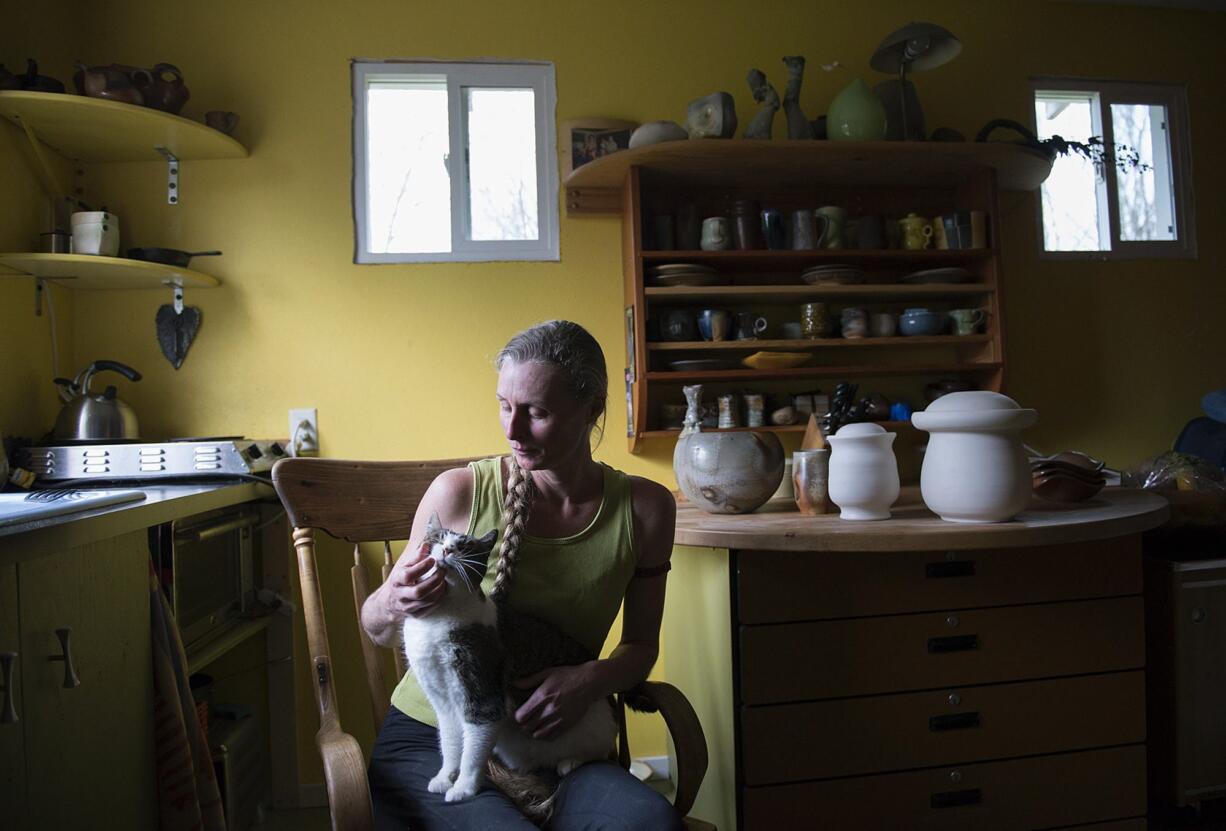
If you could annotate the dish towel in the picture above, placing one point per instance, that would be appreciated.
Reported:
(188, 799)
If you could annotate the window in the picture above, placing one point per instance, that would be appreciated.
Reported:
(1133, 199)
(454, 162)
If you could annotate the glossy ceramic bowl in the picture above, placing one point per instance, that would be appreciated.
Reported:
(915, 322)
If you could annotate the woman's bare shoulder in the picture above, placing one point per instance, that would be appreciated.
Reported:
(451, 495)
(655, 516)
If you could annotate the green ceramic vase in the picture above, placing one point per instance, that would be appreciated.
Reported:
(856, 114)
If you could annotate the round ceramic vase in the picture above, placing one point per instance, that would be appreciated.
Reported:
(975, 468)
(863, 471)
(728, 473)
(856, 114)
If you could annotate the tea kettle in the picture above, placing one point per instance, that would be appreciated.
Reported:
(89, 416)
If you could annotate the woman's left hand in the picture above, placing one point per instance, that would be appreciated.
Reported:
(561, 698)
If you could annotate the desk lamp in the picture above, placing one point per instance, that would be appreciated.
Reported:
(914, 47)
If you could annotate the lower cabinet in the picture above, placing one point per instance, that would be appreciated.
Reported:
(997, 689)
(80, 754)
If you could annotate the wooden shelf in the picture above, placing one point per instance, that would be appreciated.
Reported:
(787, 257)
(202, 655)
(96, 130)
(740, 163)
(787, 428)
(85, 271)
(814, 343)
(874, 370)
(766, 294)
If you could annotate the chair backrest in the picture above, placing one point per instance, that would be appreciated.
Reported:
(360, 502)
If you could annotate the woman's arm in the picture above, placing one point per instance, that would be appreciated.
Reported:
(410, 589)
(566, 692)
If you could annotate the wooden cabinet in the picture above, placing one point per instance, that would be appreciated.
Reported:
(660, 183)
(996, 688)
(83, 742)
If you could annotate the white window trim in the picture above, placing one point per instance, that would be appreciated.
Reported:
(1174, 98)
(537, 75)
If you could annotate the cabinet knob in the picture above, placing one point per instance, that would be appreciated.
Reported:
(8, 712)
(70, 675)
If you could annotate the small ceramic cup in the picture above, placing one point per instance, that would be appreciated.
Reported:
(883, 324)
(967, 321)
(810, 481)
(716, 234)
(791, 330)
(728, 410)
(221, 120)
(916, 232)
(714, 324)
(804, 230)
(773, 230)
(672, 416)
(814, 320)
(836, 220)
(754, 409)
(854, 323)
(749, 326)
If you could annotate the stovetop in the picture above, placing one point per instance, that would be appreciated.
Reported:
(207, 457)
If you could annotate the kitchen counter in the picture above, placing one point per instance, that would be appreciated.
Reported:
(780, 527)
(162, 503)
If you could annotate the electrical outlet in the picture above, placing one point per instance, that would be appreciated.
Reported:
(304, 432)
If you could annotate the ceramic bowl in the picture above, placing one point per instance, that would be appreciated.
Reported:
(915, 322)
(1060, 488)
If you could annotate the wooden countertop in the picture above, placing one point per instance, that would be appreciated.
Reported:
(777, 526)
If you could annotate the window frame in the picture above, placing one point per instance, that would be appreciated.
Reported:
(484, 74)
(1174, 98)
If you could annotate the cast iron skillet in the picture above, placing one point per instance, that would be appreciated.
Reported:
(168, 256)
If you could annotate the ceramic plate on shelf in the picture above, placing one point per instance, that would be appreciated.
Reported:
(938, 275)
(691, 278)
(775, 360)
(703, 365)
(666, 268)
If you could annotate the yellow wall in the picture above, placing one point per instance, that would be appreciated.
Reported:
(397, 358)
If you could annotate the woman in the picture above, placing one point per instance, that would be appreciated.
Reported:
(592, 539)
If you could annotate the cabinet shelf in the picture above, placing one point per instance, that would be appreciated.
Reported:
(96, 130)
(815, 343)
(766, 294)
(204, 654)
(787, 428)
(798, 259)
(86, 271)
(874, 370)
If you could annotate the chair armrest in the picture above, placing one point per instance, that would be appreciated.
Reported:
(345, 776)
(689, 742)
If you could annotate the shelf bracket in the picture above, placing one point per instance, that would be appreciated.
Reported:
(39, 287)
(177, 292)
(51, 183)
(172, 174)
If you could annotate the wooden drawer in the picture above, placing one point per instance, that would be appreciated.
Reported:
(790, 742)
(807, 661)
(785, 586)
(1039, 792)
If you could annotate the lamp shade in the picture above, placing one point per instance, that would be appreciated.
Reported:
(919, 46)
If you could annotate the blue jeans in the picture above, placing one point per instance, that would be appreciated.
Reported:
(599, 796)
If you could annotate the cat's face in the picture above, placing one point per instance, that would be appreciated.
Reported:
(462, 559)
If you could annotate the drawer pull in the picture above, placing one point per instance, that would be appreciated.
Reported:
(951, 568)
(953, 721)
(956, 799)
(953, 643)
(70, 675)
(8, 714)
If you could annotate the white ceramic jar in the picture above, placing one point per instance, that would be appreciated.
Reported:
(975, 468)
(95, 232)
(863, 471)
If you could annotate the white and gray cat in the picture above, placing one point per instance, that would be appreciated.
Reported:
(464, 654)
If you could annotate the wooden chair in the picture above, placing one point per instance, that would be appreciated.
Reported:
(375, 501)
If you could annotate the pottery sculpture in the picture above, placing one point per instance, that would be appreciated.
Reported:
(798, 126)
(712, 116)
(856, 114)
(113, 82)
(863, 471)
(975, 468)
(166, 90)
(654, 132)
(764, 93)
(725, 473)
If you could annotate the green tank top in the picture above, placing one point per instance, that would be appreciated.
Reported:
(575, 583)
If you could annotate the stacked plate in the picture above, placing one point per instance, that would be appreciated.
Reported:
(1067, 477)
(938, 275)
(686, 274)
(833, 274)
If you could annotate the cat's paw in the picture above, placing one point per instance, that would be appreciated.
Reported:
(441, 783)
(567, 765)
(461, 790)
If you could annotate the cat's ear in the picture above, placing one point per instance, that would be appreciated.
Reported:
(433, 526)
(488, 540)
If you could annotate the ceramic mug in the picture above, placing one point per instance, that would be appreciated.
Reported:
(713, 324)
(754, 409)
(791, 330)
(870, 232)
(748, 326)
(916, 232)
(728, 410)
(967, 321)
(814, 320)
(773, 230)
(804, 230)
(672, 416)
(836, 219)
(883, 324)
(854, 323)
(678, 325)
(221, 120)
(716, 234)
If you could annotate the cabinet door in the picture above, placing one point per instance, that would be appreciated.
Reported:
(12, 744)
(89, 747)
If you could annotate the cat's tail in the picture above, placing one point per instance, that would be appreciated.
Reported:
(532, 793)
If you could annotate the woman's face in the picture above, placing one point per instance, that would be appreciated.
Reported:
(544, 424)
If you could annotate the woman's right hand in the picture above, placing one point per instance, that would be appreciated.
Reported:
(410, 592)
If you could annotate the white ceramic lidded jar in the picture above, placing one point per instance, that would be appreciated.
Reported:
(975, 468)
(863, 471)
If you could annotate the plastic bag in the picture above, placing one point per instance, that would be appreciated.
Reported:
(1173, 471)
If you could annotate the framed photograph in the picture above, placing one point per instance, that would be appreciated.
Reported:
(586, 139)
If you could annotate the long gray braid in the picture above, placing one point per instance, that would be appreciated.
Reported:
(515, 509)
